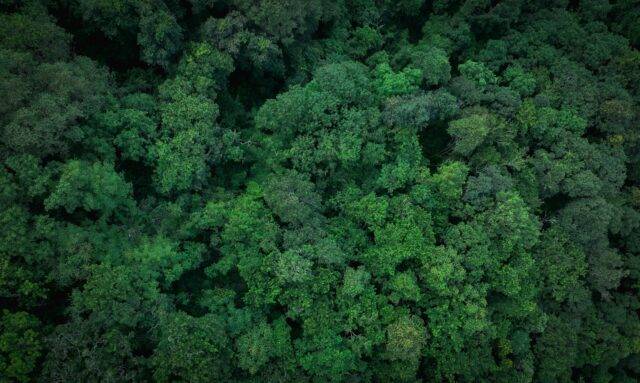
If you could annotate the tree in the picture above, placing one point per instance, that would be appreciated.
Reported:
(92, 187)
(469, 133)
(262, 343)
(195, 349)
(61, 96)
(319, 191)
(36, 33)
(20, 345)
(160, 37)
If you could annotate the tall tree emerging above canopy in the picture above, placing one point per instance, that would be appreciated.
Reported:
(319, 191)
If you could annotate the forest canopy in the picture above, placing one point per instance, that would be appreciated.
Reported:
(320, 191)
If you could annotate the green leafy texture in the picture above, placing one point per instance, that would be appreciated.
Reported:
(193, 349)
(58, 98)
(92, 187)
(20, 345)
(160, 36)
(37, 34)
(319, 191)
(469, 133)
(262, 343)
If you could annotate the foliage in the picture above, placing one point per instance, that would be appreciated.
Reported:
(319, 191)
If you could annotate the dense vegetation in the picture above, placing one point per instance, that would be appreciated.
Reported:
(319, 191)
